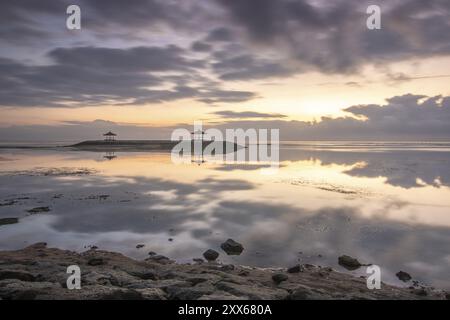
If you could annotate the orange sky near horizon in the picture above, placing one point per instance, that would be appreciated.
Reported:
(304, 97)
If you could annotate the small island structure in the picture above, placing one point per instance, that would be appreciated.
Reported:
(198, 135)
(110, 136)
(111, 144)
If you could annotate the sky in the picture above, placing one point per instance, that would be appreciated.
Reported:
(310, 68)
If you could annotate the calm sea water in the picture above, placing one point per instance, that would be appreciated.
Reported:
(383, 203)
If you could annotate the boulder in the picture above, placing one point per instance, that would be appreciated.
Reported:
(349, 263)
(403, 276)
(39, 210)
(96, 261)
(211, 255)
(279, 277)
(4, 221)
(18, 275)
(295, 269)
(232, 247)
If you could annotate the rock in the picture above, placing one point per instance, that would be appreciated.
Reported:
(123, 295)
(37, 245)
(19, 275)
(227, 267)
(211, 255)
(198, 260)
(349, 263)
(139, 246)
(420, 292)
(295, 269)
(96, 262)
(39, 210)
(301, 293)
(196, 280)
(24, 275)
(152, 294)
(23, 290)
(159, 258)
(145, 275)
(327, 269)
(279, 277)
(232, 247)
(219, 296)
(189, 293)
(152, 253)
(403, 276)
(26, 295)
(252, 291)
(8, 203)
(4, 221)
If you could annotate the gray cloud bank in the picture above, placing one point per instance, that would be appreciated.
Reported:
(117, 58)
(407, 117)
(83, 76)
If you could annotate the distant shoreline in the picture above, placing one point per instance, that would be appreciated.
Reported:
(121, 145)
(167, 145)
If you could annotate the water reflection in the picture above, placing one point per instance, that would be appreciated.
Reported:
(387, 207)
(110, 155)
(405, 168)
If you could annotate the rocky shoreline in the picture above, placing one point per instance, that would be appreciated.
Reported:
(39, 272)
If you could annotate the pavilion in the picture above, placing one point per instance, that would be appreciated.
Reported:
(110, 136)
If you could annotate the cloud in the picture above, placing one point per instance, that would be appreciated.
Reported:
(201, 46)
(245, 67)
(329, 36)
(220, 34)
(407, 117)
(27, 19)
(134, 59)
(146, 51)
(248, 114)
(333, 38)
(82, 76)
(402, 77)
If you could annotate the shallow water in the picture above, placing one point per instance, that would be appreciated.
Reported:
(383, 203)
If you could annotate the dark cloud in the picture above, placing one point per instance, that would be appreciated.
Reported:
(201, 46)
(242, 40)
(334, 38)
(244, 67)
(19, 19)
(248, 114)
(262, 38)
(28, 18)
(142, 59)
(83, 76)
(220, 34)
